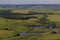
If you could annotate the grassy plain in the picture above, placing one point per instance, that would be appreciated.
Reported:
(21, 26)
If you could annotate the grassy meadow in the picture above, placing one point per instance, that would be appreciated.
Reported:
(10, 27)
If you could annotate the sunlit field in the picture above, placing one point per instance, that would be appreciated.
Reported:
(14, 21)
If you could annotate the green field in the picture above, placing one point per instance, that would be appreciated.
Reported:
(10, 27)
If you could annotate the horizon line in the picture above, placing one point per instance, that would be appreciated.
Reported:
(21, 4)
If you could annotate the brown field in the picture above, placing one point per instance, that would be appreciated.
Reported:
(21, 11)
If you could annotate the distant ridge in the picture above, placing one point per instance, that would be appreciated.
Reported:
(29, 5)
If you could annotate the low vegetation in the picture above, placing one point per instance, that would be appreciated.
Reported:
(16, 21)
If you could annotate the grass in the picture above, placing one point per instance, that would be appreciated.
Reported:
(21, 26)
(54, 18)
(42, 37)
